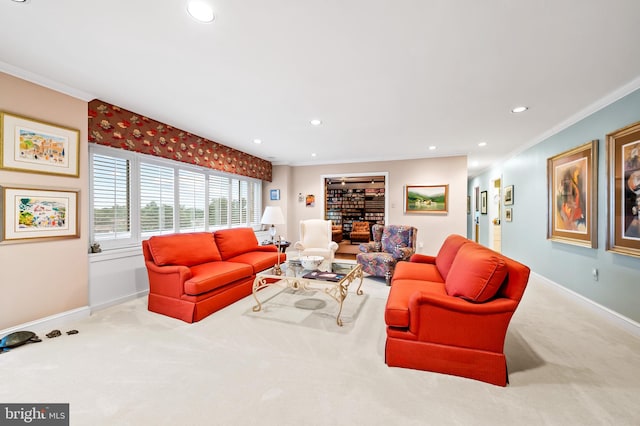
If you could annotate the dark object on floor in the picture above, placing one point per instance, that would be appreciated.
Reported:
(53, 333)
(70, 332)
(16, 339)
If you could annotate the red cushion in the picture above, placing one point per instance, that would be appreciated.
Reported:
(233, 242)
(476, 273)
(448, 252)
(184, 249)
(209, 276)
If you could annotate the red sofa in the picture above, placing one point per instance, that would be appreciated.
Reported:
(193, 275)
(449, 313)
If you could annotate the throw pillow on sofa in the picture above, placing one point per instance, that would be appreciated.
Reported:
(184, 249)
(476, 274)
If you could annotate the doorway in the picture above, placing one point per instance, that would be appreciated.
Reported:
(495, 213)
(360, 197)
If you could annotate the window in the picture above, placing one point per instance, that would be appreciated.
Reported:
(156, 200)
(135, 196)
(110, 190)
(192, 201)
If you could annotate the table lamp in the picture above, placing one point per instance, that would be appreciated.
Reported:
(273, 215)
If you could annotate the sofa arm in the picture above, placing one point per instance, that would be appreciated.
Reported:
(447, 320)
(333, 246)
(369, 247)
(422, 258)
(167, 280)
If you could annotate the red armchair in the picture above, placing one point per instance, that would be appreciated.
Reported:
(450, 313)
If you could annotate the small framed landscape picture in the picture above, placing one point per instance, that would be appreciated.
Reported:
(29, 214)
(274, 194)
(426, 198)
(29, 145)
(508, 195)
(508, 214)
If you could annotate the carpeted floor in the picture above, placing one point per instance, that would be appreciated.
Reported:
(128, 366)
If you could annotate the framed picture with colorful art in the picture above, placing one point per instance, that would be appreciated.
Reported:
(572, 185)
(34, 146)
(623, 174)
(30, 214)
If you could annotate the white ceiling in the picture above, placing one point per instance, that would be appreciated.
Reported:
(388, 78)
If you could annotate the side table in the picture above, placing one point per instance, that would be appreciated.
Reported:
(283, 245)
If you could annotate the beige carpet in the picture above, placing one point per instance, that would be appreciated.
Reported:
(128, 366)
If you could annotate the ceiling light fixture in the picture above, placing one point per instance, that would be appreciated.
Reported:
(200, 11)
(519, 109)
(432, 147)
(20, 1)
(315, 122)
(482, 144)
(257, 141)
(313, 154)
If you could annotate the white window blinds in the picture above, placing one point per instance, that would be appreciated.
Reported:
(110, 193)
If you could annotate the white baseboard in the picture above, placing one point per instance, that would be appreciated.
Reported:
(51, 322)
(118, 301)
(617, 319)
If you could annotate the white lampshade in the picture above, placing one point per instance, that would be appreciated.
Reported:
(272, 216)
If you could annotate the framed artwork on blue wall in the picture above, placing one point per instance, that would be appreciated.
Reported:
(572, 179)
(623, 172)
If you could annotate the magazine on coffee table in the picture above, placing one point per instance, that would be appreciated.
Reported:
(325, 276)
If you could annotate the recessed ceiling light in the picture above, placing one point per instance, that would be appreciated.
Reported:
(432, 147)
(313, 154)
(482, 144)
(315, 122)
(200, 11)
(257, 141)
(474, 163)
(519, 109)
(20, 1)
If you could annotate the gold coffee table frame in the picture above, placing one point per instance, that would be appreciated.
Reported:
(292, 278)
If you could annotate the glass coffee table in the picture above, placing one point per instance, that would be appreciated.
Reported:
(335, 283)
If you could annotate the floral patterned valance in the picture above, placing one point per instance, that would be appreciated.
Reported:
(113, 126)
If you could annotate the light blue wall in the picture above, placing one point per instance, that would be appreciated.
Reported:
(525, 238)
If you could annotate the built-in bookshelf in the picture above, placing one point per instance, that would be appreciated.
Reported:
(354, 203)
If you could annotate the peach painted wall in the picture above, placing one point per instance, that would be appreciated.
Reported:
(43, 278)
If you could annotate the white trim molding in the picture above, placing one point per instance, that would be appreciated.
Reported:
(51, 322)
(613, 317)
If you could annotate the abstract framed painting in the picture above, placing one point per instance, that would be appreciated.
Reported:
(34, 146)
(572, 185)
(623, 174)
(30, 214)
(426, 199)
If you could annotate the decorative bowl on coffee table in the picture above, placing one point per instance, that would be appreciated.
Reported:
(311, 262)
